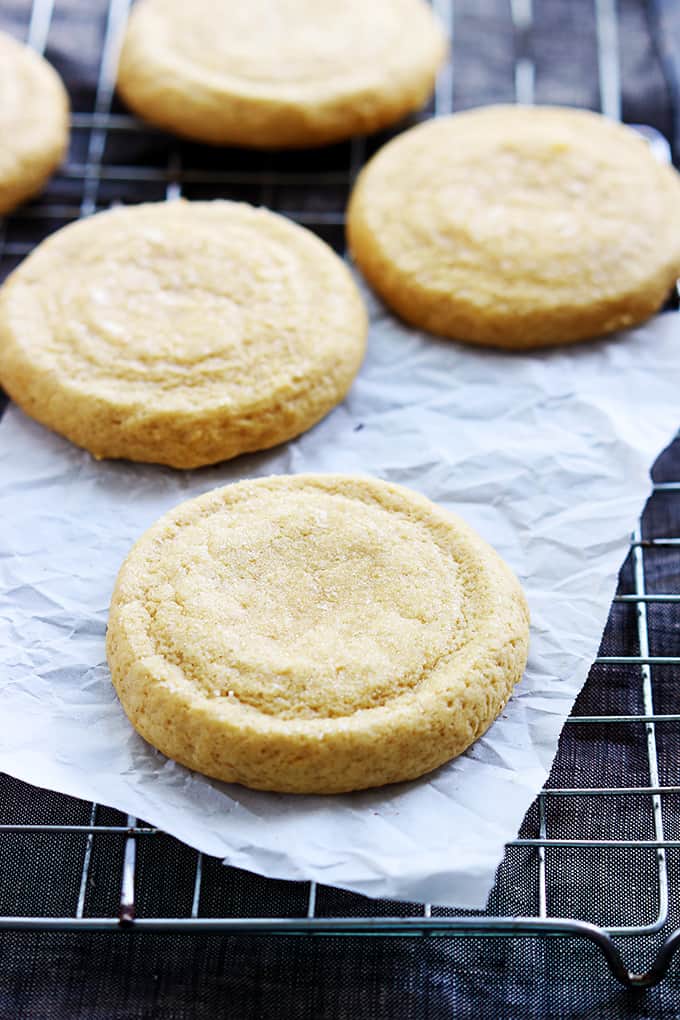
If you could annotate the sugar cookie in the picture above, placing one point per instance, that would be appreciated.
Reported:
(278, 73)
(518, 227)
(180, 333)
(34, 114)
(314, 634)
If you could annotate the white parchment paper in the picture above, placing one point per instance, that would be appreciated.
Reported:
(546, 454)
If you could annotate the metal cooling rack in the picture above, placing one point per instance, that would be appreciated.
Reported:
(72, 856)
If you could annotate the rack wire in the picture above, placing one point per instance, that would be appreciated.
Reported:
(99, 863)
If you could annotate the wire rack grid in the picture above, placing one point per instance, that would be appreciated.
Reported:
(622, 824)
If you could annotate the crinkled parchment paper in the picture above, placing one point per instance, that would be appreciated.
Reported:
(546, 454)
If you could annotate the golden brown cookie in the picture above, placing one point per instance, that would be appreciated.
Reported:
(278, 73)
(180, 333)
(314, 634)
(518, 227)
(34, 114)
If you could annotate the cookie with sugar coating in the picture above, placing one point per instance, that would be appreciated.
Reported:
(278, 73)
(180, 333)
(518, 227)
(314, 634)
(34, 111)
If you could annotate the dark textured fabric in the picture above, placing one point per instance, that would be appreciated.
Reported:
(44, 976)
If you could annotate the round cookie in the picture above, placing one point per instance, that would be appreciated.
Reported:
(180, 333)
(314, 634)
(34, 114)
(278, 73)
(518, 227)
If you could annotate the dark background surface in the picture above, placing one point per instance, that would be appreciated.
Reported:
(135, 975)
